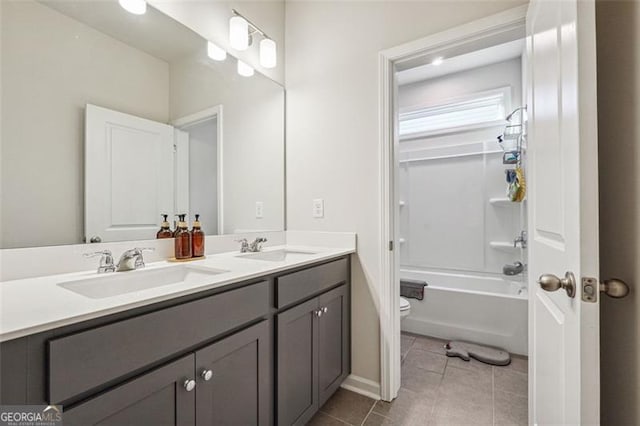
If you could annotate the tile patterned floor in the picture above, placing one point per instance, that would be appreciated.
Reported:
(437, 390)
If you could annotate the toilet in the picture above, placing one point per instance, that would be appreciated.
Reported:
(405, 308)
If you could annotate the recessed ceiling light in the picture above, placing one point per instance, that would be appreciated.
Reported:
(437, 61)
(137, 7)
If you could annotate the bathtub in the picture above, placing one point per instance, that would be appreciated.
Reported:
(485, 309)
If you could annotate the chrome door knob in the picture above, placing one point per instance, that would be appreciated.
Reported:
(549, 282)
(95, 239)
(206, 375)
(189, 385)
(614, 288)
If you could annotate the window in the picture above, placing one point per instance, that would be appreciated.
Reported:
(477, 110)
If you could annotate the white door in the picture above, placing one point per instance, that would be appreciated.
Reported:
(128, 175)
(563, 211)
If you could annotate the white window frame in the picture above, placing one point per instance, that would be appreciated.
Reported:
(457, 104)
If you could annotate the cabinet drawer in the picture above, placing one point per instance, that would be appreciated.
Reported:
(296, 286)
(83, 361)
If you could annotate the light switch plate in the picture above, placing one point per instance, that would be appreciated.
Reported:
(259, 209)
(318, 208)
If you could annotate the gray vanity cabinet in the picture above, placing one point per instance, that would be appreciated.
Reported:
(234, 379)
(159, 397)
(297, 363)
(313, 354)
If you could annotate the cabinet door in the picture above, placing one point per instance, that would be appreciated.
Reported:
(333, 341)
(156, 398)
(297, 364)
(234, 379)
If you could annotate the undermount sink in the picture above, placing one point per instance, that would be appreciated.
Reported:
(278, 255)
(117, 283)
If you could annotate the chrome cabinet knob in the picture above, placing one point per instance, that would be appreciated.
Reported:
(614, 288)
(318, 313)
(549, 282)
(189, 385)
(95, 239)
(325, 310)
(206, 375)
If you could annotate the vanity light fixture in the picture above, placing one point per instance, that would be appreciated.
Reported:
(241, 33)
(268, 56)
(215, 52)
(137, 7)
(244, 69)
(437, 61)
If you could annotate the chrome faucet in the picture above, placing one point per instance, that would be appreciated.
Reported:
(253, 247)
(132, 259)
(106, 261)
(521, 239)
(256, 245)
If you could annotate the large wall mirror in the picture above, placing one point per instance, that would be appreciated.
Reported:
(111, 119)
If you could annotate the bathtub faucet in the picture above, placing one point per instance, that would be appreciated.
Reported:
(513, 269)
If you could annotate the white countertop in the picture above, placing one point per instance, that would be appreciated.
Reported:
(33, 305)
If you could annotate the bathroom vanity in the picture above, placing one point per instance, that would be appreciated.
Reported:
(269, 349)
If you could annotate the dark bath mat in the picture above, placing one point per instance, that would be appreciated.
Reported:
(488, 355)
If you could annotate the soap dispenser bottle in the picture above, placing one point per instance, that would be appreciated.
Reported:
(165, 231)
(197, 238)
(182, 238)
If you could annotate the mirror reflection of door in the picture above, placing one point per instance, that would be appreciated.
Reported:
(128, 179)
(138, 169)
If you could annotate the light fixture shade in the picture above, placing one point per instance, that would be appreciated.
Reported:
(215, 52)
(238, 33)
(244, 69)
(268, 57)
(137, 7)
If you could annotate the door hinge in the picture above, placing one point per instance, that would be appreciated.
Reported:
(175, 148)
(590, 289)
(390, 245)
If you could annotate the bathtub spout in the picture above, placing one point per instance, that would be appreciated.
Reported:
(514, 269)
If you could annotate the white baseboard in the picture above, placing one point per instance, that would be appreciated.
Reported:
(363, 386)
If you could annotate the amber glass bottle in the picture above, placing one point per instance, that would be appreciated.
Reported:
(165, 231)
(197, 238)
(182, 239)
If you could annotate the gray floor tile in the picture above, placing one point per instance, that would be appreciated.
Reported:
(406, 341)
(348, 406)
(426, 360)
(419, 380)
(519, 363)
(430, 344)
(511, 381)
(375, 419)
(510, 409)
(472, 364)
(322, 419)
(408, 408)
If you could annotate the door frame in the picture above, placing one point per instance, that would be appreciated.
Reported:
(196, 118)
(485, 29)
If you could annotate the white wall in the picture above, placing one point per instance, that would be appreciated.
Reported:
(52, 66)
(447, 221)
(618, 32)
(210, 19)
(253, 137)
(332, 128)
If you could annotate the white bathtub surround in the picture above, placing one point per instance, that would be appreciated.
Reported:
(485, 309)
(37, 304)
